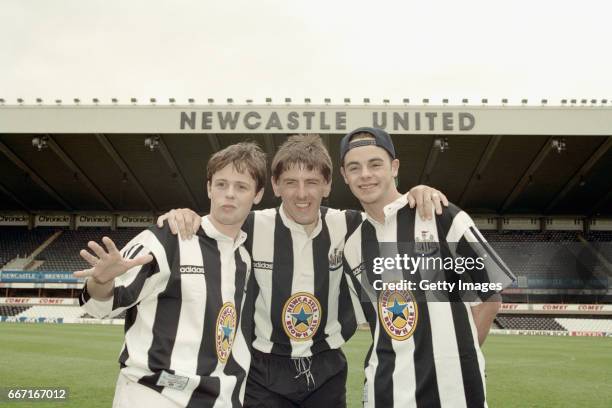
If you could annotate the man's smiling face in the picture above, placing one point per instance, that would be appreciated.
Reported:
(302, 191)
(370, 172)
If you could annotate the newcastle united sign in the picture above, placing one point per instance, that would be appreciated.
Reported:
(321, 121)
(324, 119)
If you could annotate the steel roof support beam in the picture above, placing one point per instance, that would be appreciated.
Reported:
(163, 149)
(41, 183)
(213, 139)
(76, 170)
(125, 169)
(6, 192)
(599, 204)
(325, 138)
(524, 181)
(269, 145)
(586, 167)
(432, 158)
(481, 167)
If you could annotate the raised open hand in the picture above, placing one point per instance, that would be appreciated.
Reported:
(106, 266)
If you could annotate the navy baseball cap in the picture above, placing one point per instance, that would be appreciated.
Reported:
(381, 139)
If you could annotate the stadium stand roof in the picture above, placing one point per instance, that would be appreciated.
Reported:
(543, 160)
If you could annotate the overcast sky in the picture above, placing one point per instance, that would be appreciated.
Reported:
(251, 49)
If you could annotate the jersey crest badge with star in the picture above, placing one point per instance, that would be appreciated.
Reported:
(226, 330)
(398, 313)
(301, 316)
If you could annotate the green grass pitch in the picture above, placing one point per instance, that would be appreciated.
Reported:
(521, 371)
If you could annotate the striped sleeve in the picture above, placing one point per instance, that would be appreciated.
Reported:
(466, 241)
(353, 266)
(137, 283)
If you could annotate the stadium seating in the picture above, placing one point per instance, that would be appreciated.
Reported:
(577, 324)
(535, 256)
(66, 312)
(602, 242)
(509, 322)
(47, 311)
(586, 325)
(554, 258)
(12, 310)
(528, 323)
(530, 236)
(599, 236)
(119, 316)
(63, 253)
(53, 311)
(20, 241)
(527, 253)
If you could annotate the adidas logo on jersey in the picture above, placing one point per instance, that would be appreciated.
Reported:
(263, 265)
(358, 270)
(192, 269)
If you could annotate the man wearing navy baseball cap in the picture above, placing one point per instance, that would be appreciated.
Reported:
(373, 136)
(425, 350)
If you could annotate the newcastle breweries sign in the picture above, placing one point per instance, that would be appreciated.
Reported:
(38, 277)
(324, 119)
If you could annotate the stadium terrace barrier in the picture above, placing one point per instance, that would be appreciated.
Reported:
(555, 308)
(121, 322)
(29, 315)
(506, 308)
(506, 332)
(38, 301)
(22, 319)
(60, 320)
(589, 334)
(115, 322)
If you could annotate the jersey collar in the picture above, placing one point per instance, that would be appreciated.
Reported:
(210, 230)
(391, 209)
(294, 226)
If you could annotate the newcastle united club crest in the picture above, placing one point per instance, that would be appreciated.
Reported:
(398, 313)
(424, 244)
(226, 329)
(335, 259)
(301, 316)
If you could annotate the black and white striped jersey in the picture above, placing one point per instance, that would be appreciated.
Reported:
(183, 336)
(425, 351)
(302, 300)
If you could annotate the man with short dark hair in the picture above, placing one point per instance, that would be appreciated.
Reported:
(184, 344)
(426, 343)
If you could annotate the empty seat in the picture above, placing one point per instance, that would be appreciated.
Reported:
(53, 311)
(528, 323)
(63, 253)
(20, 241)
(586, 325)
(12, 310)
